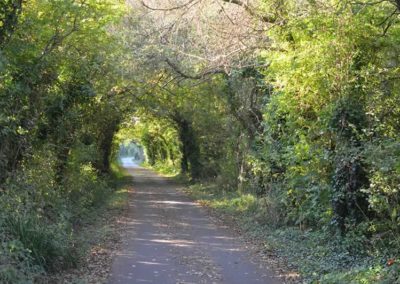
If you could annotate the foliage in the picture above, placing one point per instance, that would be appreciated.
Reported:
(289, 107)
(317, 255)
(308, 126)
(55, 144)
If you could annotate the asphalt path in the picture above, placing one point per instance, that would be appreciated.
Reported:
(170, 239)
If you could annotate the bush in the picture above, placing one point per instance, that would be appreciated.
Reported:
(49, 245)
(39, 215)
(382, 157)
(84, 189)
(16, 263)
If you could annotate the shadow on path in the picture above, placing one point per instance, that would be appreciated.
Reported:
(170, 239)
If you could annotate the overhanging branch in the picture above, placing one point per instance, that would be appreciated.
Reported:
(251, 11)
(205, 74)
(167, 9)
(196, 76)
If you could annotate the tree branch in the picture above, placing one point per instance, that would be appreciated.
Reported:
(247, 8)
(203, 75)
(251, 11)
(167, 9)
(197, 76)
(57, 39)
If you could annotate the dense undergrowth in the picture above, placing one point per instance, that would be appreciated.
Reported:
(290, 107)
(57, 126)
(41, 228)
(318, 255)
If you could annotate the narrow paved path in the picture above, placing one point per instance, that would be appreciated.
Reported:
(169, 240)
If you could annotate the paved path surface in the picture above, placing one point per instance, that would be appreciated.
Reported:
(169, 240)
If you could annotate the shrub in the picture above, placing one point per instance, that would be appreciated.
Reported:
(16, 263)
(48, 245)
(84, 189)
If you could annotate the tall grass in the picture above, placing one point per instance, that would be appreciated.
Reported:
(40, 219)
(49, 246)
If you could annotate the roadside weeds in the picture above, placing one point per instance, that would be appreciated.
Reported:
(99, 239)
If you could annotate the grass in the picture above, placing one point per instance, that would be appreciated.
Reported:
(167, 170)
(316, 254)
(36, 244)
(49, 247)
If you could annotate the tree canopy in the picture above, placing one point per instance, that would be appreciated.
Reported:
(295, 102)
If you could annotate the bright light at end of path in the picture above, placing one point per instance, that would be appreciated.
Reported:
(129, 162)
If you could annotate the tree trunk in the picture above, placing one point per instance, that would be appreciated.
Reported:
(189, 147)
(105, 145)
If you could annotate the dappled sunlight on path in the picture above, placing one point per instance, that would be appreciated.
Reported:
(170, 239)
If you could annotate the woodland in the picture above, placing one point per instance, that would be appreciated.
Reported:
(283, 114)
